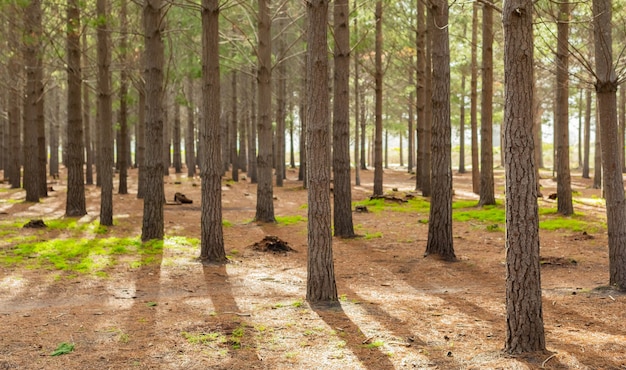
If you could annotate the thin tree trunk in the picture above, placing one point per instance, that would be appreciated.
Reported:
(13, 170)
(428, 112)
(474, 101)
(190, 150)
(378, 112)
(234, 156)
(212, 239)
(176, 139)
(123, 94)
(487, 196)
(252, 139)
(154, 195)
(524, 317)
(420, 94)
(141, 142)
(597, 159)
(321, 286)
(89, 157)
(105, 116)
(587, 134)
(54, 134)
(75, 201)
(357, 123)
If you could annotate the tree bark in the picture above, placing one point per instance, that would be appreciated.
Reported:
(378, 109)
(105, 116)
(440, 239)
(190, 142)
(123, 95)
(357, 123)
(234, 156)
(426, 172)
(176, 139)
(75, 201)
(252, 138)
(265, 191)
(88, 140)
(212, 239)
(487, 196)
(321, 286)
(564, 187)
(154, 196)
(606, 92)
(342, 189)
(524, 317)
(420, 94)
(587, 134)
(13, 170)
(141, 142)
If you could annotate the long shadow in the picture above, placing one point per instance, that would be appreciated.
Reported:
(356, 341)
(227, 318)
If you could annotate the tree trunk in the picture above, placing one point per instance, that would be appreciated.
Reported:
(321, 286)
(587, 134)
(487, 195)
(212, 239)
(13, 170)
(440, 239)
(54, 134)
(89, 164)
(462, 117)
(281, 103)
(622, 125)
(190, 150)
(428, 111)
(265, 191)
(154, 196)
(357, 123)
(386, 150)
(378, 109)
(105, 116)
(176, 139)
(606, 92)
(234, 156)
(252, 138)
(141, 142)
(123, 94)
(474, 100)
(597, 159)
(342, 189)
(75, 201)
(420, 93)
(242, 159)
(524, 316)
(564, 187)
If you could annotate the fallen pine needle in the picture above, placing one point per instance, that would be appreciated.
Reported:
(543, 364)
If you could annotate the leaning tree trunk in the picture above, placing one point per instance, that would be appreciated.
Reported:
(265, 191)
(606, 91)
(342, 190)
(440, 240)
(321, 286)
(524, 318)
(154, 196)
(75, 201)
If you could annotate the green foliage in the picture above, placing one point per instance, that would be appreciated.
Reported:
(63, 349)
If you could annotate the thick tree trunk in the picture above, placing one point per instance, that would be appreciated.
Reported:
(212, 239)
(487, 195)
(105, 116)
(154, 195)
(378, 109)
(440, 238)
(622, 125)
(75, 201)
(321, 286)
(606, 92)
(524, 316)
(474, 101)
(342, 190)
(265, 191)
(564, 187)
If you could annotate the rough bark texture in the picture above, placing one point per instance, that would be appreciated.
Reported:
(378, 108)
(176, 140)
(75, 203)
(425, 181)
(563, 179)
(342, 190)
(154, 196)
(141, 142)
(13, 170)
(88, 140)
(420, 93)
(212, 238)
(281, 101)
(321, 286)
(357, 147)
(124, 144)
(265, 191)
(486, 193)
(32, 32)
(587, 142)
(440, 239)
(524, 318)
(606, 92)
(622, 125)
(105, 116)
(234, 156)
(252, 137)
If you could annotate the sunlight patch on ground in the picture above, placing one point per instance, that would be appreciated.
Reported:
(11, 286)
(121, 297)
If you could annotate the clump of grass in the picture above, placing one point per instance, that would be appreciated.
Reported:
(203, 338)
(375, 235)
(375, 344)
(289, 220)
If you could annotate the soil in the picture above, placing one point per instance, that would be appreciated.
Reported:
(397, 309)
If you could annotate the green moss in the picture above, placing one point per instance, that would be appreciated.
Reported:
(289, 220)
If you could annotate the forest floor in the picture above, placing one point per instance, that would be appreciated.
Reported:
(159, 308)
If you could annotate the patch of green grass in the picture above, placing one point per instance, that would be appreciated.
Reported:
(413, 205)
(63, 349)
(204, 338)
(304, 206)
(226, 223)
(289, 220)
(297, 303)
(468, 211)
(375, 344)
(375, 235)
(566, 223)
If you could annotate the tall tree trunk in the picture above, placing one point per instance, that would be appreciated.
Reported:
(32, 38)
(190, 143)
(342, 189)
(357, 123)
(321, 286)
(440, 239)
(474, 101)
(13, 170)
(242, 159)
(487, 195)
(265, 191)
(42, 154)
(89, 155)
(524, 317)
(75, 201)
(563, 187)
(281, 97)
(386, 151)
(234, 156)
(167, 127)
(154, 195)
(580, 129)
(105, 116)
(462, 128)
(176, 139)
(212, 239)
(597, 158)
(411, 121)
(537, 113)
(428, 111)
(606, 92)
(378, 109)
(587, 134)
(123, 93)
(54, 134)
(363, 132)
(622, 125)
(141, 141)
(420, 94)
(252, 138)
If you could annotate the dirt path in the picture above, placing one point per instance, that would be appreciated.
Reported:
(398, 310)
